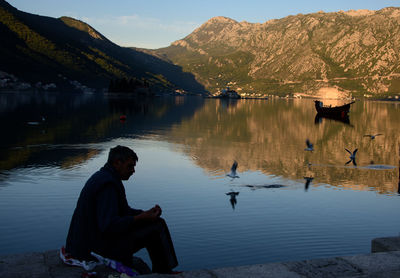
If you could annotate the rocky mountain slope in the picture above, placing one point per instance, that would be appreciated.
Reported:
(67, 52)
(354, 51)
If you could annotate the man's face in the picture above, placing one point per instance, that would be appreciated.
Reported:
(125, 169)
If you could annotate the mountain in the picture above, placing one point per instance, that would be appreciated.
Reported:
(66, 51)
(352, 51)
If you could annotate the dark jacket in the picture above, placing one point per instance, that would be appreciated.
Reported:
(101, 215)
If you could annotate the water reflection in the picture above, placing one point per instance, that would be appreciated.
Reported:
(232, 198)
(265, 136)
(319, 118)
(62, 127)
(264, 186)
(307, 183)
(268, 137)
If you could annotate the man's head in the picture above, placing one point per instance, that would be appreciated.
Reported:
(123, 160)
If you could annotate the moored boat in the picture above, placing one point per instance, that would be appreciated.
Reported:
(338, 111)
(228, 93)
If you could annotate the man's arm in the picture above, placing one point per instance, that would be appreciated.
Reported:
(108, 218)
(149, 215)
(134, 212)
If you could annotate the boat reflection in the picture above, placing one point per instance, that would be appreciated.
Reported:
(319, 119)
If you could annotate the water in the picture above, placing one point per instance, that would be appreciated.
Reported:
(186, 147)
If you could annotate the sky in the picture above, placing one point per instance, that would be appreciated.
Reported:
(158, 23)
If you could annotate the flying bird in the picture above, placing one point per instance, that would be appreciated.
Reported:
(352, 157)
(372, 136)
(233, 174)
(310, 146)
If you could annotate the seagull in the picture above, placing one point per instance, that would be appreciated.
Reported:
(352, 157)
(233, 174)
(372, 136)
(233, 198)
(310, 146)
(308, 182)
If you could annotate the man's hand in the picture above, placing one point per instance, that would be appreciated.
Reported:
(157, 209)
(151, 214)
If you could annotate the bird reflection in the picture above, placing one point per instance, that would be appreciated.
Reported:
(310, 146)
(233, 198)
(372, 136)
(233, 174)
(308, 182)
(37, 122)
(352, 157)
(267, 186)
(398, 188)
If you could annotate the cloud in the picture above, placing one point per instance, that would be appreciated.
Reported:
(135, 30)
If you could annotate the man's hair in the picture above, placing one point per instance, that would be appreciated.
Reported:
(121, 153)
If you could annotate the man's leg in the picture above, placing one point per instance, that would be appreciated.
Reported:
(159, 244)
(155, 237)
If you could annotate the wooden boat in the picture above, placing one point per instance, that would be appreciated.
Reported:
(337, 111)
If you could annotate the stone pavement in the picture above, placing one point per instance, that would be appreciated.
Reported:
(384, 262)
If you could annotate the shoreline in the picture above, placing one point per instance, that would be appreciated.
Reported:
(382, 262)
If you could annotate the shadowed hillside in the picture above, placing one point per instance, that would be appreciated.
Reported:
(38, 48)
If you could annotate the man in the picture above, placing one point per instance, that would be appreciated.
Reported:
(104, 223)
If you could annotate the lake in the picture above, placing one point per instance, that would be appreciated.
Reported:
(51, 143)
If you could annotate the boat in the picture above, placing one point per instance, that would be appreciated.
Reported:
(228, 93)
(333, 111)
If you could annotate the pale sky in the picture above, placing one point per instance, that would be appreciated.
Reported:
(158, 23)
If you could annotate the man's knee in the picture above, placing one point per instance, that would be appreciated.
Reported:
(159, 225)
(162, 221)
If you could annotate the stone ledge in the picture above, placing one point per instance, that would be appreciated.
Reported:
(385, 244)
(384, 262)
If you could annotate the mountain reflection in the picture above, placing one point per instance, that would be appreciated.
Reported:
(268, 136)
(265, 136)
(75, 123)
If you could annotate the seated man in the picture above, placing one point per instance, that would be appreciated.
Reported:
(104, 223)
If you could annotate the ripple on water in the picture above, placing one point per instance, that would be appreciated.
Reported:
(378, 167)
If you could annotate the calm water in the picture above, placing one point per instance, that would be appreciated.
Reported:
(52, 143)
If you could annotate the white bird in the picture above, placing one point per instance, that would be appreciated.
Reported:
(352, 157)
(372, 136)
(233, 174)
(310, 146)
(232, 194)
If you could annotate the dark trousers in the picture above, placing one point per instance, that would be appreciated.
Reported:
(155, 237)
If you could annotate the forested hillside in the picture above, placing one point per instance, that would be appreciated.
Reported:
(63, 50)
